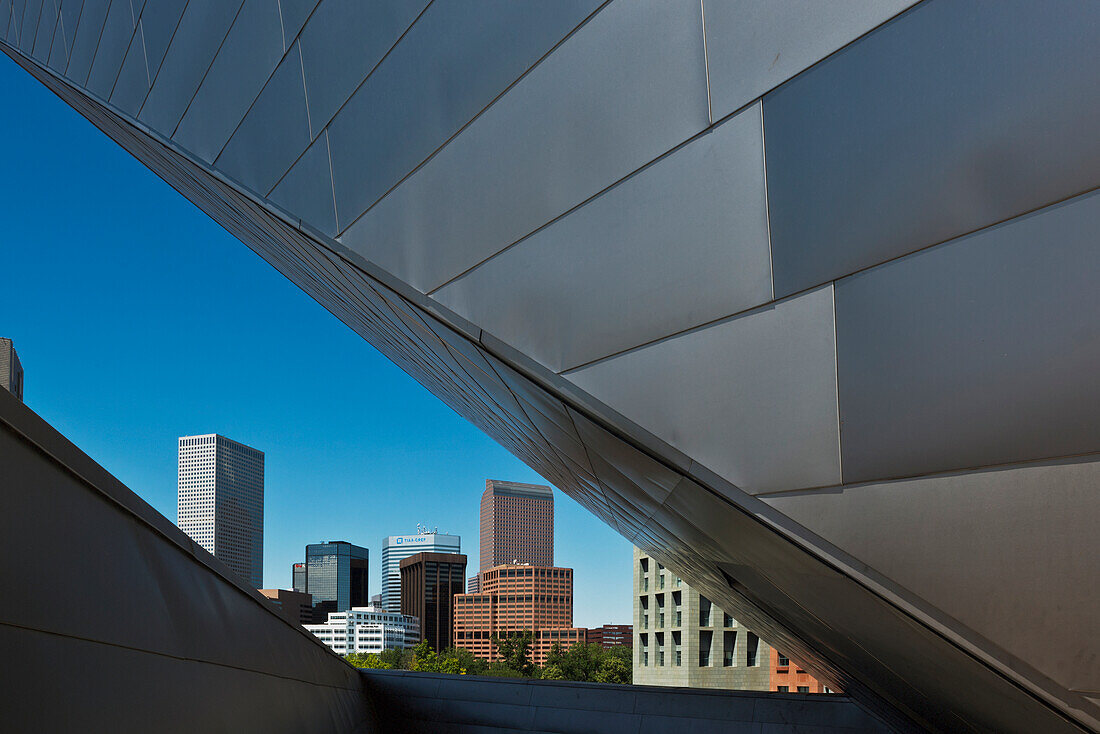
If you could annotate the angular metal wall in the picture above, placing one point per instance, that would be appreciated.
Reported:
(798, 300)
(113, 620)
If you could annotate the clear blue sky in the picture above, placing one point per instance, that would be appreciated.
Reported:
(138, 320)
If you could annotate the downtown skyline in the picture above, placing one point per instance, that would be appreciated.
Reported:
(139, 320)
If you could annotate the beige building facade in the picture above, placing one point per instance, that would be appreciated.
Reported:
(682, 639)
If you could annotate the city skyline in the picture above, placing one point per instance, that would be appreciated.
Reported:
(121, 325)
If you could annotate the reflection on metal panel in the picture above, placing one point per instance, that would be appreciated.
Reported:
(753, 398)
(552, 141)
(689, 233)
(753, 46)
(980, 351)
(306, 189)
(956, 115)
(455, 60)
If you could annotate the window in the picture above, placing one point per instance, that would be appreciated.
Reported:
(783, 660)
(729, 643)
(803, 689)
(782, 689)
(705, 641)
(704, 611)
(677, 652)
(752, 642)
(727, 620)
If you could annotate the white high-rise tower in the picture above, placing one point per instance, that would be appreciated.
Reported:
(220, 501)
(397, 547)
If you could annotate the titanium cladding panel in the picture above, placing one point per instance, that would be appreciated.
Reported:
(799, 297)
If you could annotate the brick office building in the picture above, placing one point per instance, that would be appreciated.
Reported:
(429, 584)
(611, 635)
(787, 676)
(517, 525)
(515, 598)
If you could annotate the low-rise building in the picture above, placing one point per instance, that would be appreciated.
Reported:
(681, 638)
(515, 598)
(367, 629)
(294, 606)
(611, 635)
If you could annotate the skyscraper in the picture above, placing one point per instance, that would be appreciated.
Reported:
(429, 584)
(220, 501)
(336, 574)
(397, 547)
(11, 371)
(517, 524)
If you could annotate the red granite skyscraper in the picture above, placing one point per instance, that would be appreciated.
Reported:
(517, 524)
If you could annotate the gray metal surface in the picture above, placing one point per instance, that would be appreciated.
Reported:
(432, 227)
(953, 116)
(132, 83)
(689, 232)
(776, 426)
(243, 65)
(988, 518)
(456, 59)
(753, 47)
(947, 362)
(273, 132)
(415, 702)
(196, 40)
(114, 40)
(948, 117)
(152, 633)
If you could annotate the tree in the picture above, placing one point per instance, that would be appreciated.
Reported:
(579, 662)
(465, 661)
(515, 652)
(366, 660)
(614, 670)
(552, 672)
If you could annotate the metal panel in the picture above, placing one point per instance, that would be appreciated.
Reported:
(86, 39)
(1004, 589)
(70, 16)
(753, 47)
(981, 351)
(294, 15)
(29, 24)
(43, 35)
(244, 63)
(454, 61)
(557, 138)
(18, 6)
(159, 21)
(58, 57)
(752, 398)
(681, 243)
(306, 190)
(951, 117)
(118, 29)
(264, 146)
(133, 79)
(200, 32)
(344, 40)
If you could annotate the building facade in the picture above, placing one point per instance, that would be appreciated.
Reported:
(366, 630)
(294, 606)
(11, 370)
(429, 584)
(681, 638)
(395, 548)
(611, 635)
(298, 577)
(517, 524)
(515, 598)
(220, 501)
(336, 575)
(473, 584)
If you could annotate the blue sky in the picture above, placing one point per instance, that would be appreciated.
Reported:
(138, 320)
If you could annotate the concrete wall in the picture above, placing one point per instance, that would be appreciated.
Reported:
(447, 704)
(111, 619)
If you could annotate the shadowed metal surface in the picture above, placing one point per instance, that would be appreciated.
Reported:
(768, 428)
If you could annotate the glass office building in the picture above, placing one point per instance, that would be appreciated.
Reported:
(336, 574)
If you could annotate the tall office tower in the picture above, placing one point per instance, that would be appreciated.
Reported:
(517, 524)
(336, 574)
(298, 577)
(515, 598)
(429, 584)
(220, 501)
(11, 371)
(682, 639)
(398, 547)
